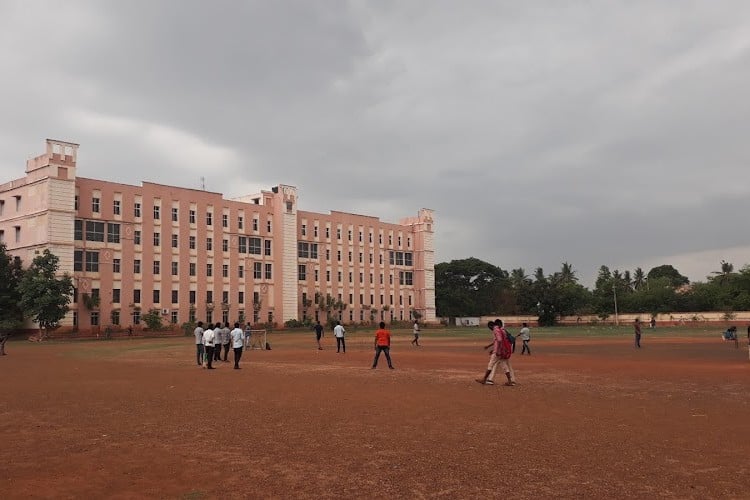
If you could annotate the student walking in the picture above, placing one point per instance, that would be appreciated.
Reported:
(525, 338)
(501, 353)
(218, 337)
(382, 344)
(318, 334)
(248, 335)
(416, 333)
(237, 343)
(637, 331)
(339, 332)
(198, 332)
(226, 338)
(209, 336)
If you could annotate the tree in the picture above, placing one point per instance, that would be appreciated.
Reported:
(639, 278)
(568, 274)
(723, 276)
(43, 296)
(669, 272)
(153, 319)
(470, 287)
(11, 272)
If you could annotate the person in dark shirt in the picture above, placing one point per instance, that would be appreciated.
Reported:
(318, 333)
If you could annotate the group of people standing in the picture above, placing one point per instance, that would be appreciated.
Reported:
(209, 343)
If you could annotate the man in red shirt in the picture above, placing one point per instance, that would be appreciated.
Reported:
(382, 344)
(501, 352)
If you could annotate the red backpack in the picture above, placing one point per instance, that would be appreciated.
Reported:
(506, 349)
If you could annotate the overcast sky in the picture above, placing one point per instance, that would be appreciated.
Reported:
(611, 132)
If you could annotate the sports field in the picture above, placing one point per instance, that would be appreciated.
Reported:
(590, 417)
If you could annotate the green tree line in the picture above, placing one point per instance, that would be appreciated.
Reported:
(472, 287)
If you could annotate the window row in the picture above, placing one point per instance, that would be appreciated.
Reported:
(405, 277)
(156, 213)
(303, 232)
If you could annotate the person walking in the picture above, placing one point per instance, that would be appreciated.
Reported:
(4, 336)
(318, 334)
(248, 335)
(382, 344)
(339, 332)
(525, 335)
(218, 335)
(415, 329)
(237, 343)
(198, 332)
(226, 338)
(637, 331)
(500, 356)
(209, 337)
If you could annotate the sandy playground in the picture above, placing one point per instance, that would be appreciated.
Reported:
(591, 417)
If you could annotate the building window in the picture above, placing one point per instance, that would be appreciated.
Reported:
(225, 297)
(78, 230)
(191, 296)
(116, 207)
(303, 250)
(209, 296)
(175, 241)
(115, 315)
(224, 245)
(328, 233)
(269, 271)
(191, 242)
(192, 269)
(225, 271)
(405, 277)
(136, 296)
(157, 267)
(137, 209)
(254, 246)
(317, 275)
(191, 315)
(209, 218)
(241, 271)
(136, 317)
(209, 244)
(257, 270)
(92, 262)
(115, 295)
(408, 259)
(303, 229)
(268, 226)
(175, 268)
(94, 204)
(315, 231)
(113, 233)
(240, 222)
(328, 276)
(209, 269)
(137, 266)
(338, 233)
(157, 239)
(267, 244)
(116, 265)
(174, 317)
(255, 224)
(94, 318)
(175, 214)
(175, 297)
(224, 220)
(241, 298)
(157, 212)
(78, 260)
(136, 237)
(242, 244)
(157, 296)
(94, 231)
(192, 216)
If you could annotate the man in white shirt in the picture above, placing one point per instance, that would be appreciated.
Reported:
(525, 336)
(238, 340)
(198, 332)
(208, 343)
(416, 333)
(226, 338)
(338, 332)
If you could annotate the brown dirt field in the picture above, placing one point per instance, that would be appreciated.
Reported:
(590, 418)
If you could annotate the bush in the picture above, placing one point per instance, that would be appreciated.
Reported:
(153, 319)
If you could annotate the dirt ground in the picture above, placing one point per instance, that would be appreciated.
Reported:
(591, 418)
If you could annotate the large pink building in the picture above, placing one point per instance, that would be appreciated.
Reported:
(192, 254)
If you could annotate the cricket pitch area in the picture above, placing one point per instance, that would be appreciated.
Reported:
(591, 417)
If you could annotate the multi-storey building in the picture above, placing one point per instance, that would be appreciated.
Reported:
(192, 254)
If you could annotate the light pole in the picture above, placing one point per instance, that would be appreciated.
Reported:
(614, 291)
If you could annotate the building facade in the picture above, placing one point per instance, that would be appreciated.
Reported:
(194, 255)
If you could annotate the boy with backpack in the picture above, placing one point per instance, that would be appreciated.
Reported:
(500, 356)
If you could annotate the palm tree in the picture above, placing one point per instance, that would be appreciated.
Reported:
(627, 281)
(722, 276)
(539, 275)
(639, 278)
(568, 274)
(518, 278)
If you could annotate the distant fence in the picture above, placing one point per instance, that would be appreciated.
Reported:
(667, 319)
